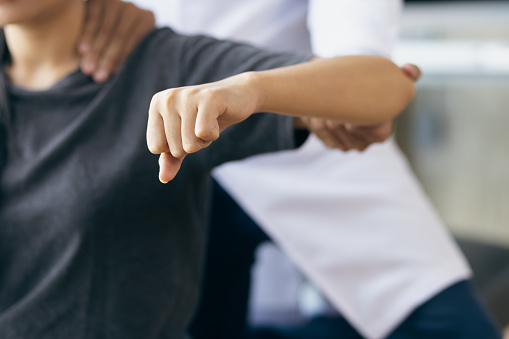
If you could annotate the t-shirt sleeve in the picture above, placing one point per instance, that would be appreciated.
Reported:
(261, 133)
(206, 59)
(178, 60)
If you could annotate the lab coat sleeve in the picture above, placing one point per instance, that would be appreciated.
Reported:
(346, 27)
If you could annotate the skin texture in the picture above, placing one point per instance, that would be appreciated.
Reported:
(29, 12)
(41, 51)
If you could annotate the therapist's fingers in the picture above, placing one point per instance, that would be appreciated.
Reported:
(372, 133)
(112, 29)
(133, 25)
(334, 134)
(351, 140)
(411, 71)
(345, 136)
(93, 20)
(327, 135)
(105, 30)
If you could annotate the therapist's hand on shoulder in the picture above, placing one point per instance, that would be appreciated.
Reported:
(112, 29)
(345, 136)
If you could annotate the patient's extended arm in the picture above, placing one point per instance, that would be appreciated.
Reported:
(348, 89)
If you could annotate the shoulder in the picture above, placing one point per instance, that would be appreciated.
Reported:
(157, 57)
(158, 41)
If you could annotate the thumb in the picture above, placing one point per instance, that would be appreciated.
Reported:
(168, 167)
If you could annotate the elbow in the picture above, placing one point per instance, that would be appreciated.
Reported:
(394, 91)
(407, 91)
(404, 91)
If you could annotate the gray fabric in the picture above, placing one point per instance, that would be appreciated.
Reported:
(91, 244)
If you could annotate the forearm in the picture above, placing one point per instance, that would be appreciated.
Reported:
(356, 89)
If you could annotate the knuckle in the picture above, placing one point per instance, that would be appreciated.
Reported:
(191, 91)
(163, 100)
(169, 95)
(192, 147)
(208, 94)
(154, 102)
(208, 134)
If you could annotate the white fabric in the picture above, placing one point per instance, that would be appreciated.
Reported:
(358, 225)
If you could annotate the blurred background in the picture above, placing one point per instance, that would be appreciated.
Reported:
(455, 134)
(458, 147)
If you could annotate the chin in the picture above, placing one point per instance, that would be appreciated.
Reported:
(12, 12)
(31, 11)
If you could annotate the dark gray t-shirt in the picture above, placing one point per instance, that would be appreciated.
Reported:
(91, 244)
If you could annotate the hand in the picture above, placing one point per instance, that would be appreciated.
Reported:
(187, 119)
(112, 29)
(346, 136)
(353, 136)
(412, 71)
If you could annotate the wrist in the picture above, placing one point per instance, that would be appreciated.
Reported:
(254, 90)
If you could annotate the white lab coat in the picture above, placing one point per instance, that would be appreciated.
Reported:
(357, 224)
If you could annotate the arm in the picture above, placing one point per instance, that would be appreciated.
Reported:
(348, 136)
(347, 27)
(107, 40)
(357, 89)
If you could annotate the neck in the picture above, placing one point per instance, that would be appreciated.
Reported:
(44, 51)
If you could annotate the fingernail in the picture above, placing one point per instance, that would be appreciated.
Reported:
(84, 47)
(101, 75)
(414, 70)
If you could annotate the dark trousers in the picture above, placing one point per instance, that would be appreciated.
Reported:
(456, 312)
